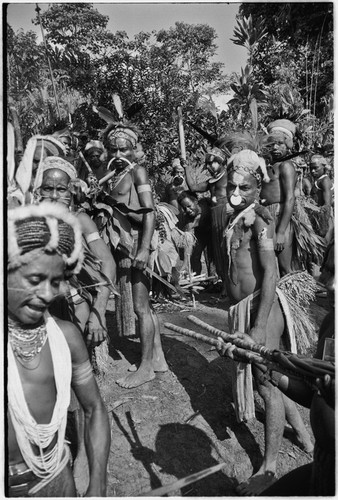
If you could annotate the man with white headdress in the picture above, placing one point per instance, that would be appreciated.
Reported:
(46, 356)
(252, 287)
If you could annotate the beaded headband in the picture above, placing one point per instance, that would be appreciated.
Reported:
(249, 162)
(124, 133)
(46, 228)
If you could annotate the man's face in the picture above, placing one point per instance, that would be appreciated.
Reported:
(178, 176)
(190, 207)
(277, 147)
(33, 286)
(55, 187)
(214, 167)
(67, 144)
(94, 158)
(120, 149)
(242, 190)
(316, 168)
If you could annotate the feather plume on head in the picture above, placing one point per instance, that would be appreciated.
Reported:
(122, 128)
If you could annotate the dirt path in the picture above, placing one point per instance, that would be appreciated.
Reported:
(183, 421)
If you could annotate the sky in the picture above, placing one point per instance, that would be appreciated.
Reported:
(136, 17)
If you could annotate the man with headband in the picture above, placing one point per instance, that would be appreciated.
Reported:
(56, 181)
(215, 163)
(279, 194)
(129, 184)
(46, 356)
(251, 285)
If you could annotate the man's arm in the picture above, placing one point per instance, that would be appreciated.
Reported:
(97, 427)
(97, 329)
(287, 179)
(263, 234)
(326, 186)
(148, 223)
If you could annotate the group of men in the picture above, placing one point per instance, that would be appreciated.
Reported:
(52, 241)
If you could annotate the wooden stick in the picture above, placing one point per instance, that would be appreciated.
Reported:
(181, 483)
(248, 356)
(259, 349)
(181, 132)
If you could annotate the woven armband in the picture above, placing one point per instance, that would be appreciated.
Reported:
(266, 244)
(143, 188)
(92, 237)
(82, 373)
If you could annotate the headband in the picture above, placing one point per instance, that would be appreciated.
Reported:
(45, 228)
(249, 162)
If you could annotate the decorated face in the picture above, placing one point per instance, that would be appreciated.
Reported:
(277, 146)
(214, 167)
(189, 207)
(121, 149)
(242, 190)
(178, 176)
(55, 187)
(33, 286)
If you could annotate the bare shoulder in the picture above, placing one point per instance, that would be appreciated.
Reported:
(287, 166)
(262, 226)
(140, 175)
(87, 224)
(74, 340)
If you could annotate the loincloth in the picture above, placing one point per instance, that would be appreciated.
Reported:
(220, 215)
(21, 480)
(240, 320)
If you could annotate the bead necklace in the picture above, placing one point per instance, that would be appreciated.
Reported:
(26, 343)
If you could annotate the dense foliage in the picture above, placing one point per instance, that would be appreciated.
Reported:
(289, 73)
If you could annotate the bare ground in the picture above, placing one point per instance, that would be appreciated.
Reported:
(183, 421)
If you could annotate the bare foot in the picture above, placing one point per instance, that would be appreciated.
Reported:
(159, 366)
(256, 484)
(141, 376)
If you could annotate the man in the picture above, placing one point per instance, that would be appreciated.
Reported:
(196, 220)
(92, 161)
(279, 194)
(57, 182)
(215, 162)
(251, 285)
(45, 357)
(318, 477)
(129, 184)
(177, 186)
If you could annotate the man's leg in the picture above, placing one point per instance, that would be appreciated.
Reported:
(274, 412)
(294, 418)
(145, 371)
(285, 257)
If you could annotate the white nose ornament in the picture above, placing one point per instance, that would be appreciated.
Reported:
(235, 200)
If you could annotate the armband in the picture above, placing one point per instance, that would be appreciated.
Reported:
(143, 188)
(82, 373)
(92, 237)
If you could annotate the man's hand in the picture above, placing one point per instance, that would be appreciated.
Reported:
(141, 259)
(280, 241)
(97, 328)
(228, 348)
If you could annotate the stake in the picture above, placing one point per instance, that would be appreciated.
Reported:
(181, 132)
